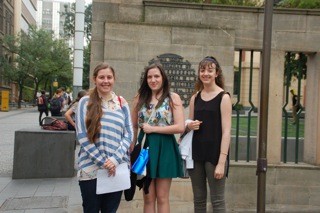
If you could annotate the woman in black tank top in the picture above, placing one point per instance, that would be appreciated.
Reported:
(210, 111)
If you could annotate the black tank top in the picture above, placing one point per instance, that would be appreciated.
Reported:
(206, 141)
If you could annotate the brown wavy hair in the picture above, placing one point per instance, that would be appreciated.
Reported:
(145, 93)
(94, 109)
(207, 62)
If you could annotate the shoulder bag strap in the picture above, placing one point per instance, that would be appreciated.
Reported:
(143, 140)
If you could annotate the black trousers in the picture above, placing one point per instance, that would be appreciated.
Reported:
(41, 113)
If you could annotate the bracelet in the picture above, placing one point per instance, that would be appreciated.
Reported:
(223, 153)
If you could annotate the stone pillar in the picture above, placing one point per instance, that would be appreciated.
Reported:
(17, 17)
(311, 152)
(275, 106)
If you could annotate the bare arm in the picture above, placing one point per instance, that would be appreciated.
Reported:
(194, 124)
(68, 115)
(191, 107)
(134, 119)
(226, 110)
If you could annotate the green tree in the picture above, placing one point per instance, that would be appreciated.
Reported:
(86, 67)
(226, 2)
(69, 26)
(35, 56)
(303, 4)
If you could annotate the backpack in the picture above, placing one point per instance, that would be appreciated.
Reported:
(55, 104)
(40, 100)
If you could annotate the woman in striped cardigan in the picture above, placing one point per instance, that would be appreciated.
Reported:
(104, 131)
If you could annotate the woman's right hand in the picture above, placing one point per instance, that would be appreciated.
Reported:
(194, 125)
(131, 147)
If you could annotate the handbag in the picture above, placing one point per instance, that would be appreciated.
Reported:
(140, 165)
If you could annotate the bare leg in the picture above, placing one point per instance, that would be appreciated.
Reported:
(162, 192)
(150, 199)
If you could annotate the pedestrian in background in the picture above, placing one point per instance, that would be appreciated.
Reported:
(70, 113)
(104, 131)
(56, 103)
(295, 106)
(42, 103)
(168, 119)
(210, 111)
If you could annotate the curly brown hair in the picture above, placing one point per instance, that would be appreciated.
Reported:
(208, 61)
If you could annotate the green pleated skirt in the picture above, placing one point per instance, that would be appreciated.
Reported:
(165, 158)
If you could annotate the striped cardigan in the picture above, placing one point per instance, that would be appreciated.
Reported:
(113, 141)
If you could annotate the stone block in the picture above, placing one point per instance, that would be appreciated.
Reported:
(98, 31)
(203, 37)
(130, 13)
(137, 33)
(43, 154)
(120, 50)
(295, 176)
(248, 39)
(293, 195)
(98, 53)
(289, 22)
(147, 51)
(313, 24)
(105, 12)
(177, 16)
(314, 196)
(297, 41)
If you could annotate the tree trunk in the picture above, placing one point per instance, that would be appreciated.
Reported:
(20, 95)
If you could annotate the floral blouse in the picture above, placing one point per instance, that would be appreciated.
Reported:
(162, 116)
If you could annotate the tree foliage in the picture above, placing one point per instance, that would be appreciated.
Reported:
(86, 67)
(295, 66)
(303, 4)
(69, 24)
(35, 57)
(226, 2)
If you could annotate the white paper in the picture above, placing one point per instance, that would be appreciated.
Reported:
(119, 182)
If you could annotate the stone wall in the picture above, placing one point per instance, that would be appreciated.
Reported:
(129, 33)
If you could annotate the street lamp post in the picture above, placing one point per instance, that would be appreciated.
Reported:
(78, 48)
(263, 111)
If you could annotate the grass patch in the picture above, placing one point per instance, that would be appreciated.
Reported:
(244, 122)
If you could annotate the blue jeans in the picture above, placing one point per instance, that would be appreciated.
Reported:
(93, 203)
(200, 174)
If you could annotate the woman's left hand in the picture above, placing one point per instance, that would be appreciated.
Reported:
(219, 171)
(110, 166)
(147, 128)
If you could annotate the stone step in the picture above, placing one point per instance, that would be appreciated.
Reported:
(136, 206)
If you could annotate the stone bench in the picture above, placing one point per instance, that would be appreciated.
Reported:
(42, 153)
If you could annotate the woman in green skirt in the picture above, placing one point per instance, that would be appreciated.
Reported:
(165, 108)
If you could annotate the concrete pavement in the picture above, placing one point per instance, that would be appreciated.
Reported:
(60, 195)
(30, 195)
(49, 195)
